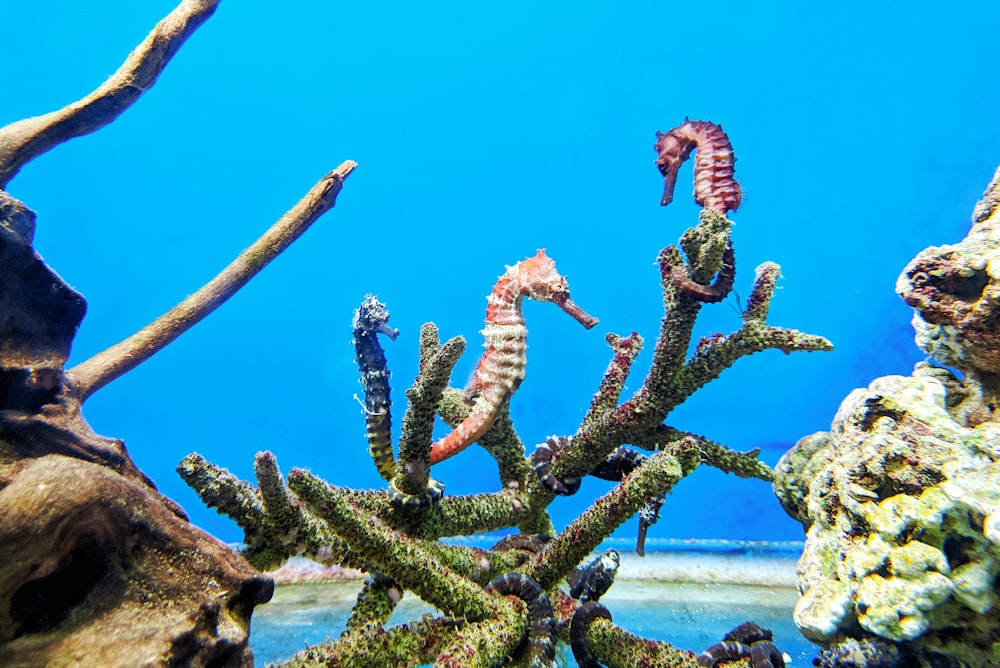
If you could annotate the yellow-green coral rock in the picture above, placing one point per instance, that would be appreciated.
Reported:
(974, 585)
(914, 559)
(822, 608)
(901, 498)
(893, 608)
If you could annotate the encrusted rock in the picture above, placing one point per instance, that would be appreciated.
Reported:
(901, 498)
(955, 292)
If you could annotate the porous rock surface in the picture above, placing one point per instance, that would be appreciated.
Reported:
(901, 498)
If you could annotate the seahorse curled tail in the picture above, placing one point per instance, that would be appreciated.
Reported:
(540, 648)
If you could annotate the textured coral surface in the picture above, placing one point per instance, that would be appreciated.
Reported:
(955, 292)
(901, 498)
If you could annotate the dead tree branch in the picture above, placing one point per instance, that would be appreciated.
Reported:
(25, 140)
(93, 374)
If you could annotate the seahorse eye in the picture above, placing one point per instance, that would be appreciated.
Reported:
(558, 290)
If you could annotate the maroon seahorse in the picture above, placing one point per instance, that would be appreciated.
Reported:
(714, 185)
(501, 368)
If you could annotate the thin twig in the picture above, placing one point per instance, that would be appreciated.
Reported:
(25, 140)
(93, 374)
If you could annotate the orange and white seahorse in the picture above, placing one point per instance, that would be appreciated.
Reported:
(501, 368)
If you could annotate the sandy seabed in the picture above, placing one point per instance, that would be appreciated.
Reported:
(689, 593)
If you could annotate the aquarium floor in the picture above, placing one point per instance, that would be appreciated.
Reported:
(721, 591)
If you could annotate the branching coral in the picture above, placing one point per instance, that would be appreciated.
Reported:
(394, 535)
(187, 599)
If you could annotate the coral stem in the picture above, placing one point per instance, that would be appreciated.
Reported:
(398, 557)
(616, 648)
(654, 478)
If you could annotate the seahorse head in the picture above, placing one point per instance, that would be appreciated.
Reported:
(373, 316)
(537, 278)
(672, 150)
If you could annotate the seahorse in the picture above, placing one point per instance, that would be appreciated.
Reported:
(500, 370)
(746, 641)
(714, 185)
(582, 618)
(541, 460)
(370, 319)
(542, 637)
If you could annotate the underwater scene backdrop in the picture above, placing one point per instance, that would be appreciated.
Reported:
(484, 132)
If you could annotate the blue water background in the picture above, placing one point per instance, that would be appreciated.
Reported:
(864, 132)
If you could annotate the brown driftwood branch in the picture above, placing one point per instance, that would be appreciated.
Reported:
(23, 141)
(93, 374)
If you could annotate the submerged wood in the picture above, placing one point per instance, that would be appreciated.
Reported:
(97, 567)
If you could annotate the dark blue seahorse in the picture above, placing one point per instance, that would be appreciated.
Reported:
(541, 641)
(370, 319)
(584, 615)
(746, 641)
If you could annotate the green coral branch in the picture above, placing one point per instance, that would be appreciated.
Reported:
(269, 539)
(402, 558)
(375, 602)
(713, 356)
(626, 349)
(670, 381)
(471, 514)
(607, 425)
(764, 283)
(486, 643)
(685, 444)
(659, 393)
(500, 440)
(657, 396)
(279, 504)
(704, 245)
(479, 566)
(415, 643)
(652, 479)
(218, 488)
(436, 362)
(716, 354)
(277, 525)
(615, 647)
